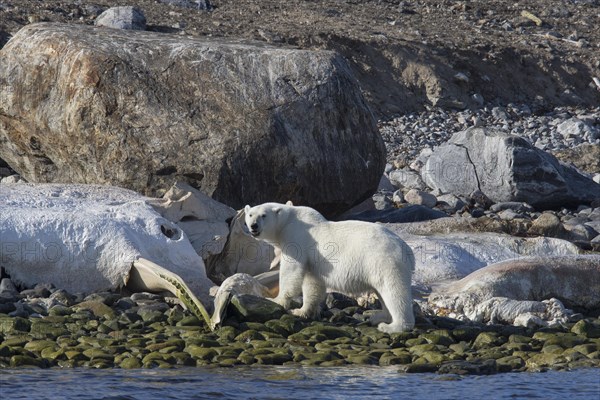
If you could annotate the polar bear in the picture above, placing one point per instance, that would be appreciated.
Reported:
(351, 257)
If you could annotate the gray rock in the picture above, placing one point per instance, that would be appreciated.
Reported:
(594, 225)
(340, 301)
(147, 109)
(575, 127)
(382, 201)
(398, 197)
(506, 168)
(7, 287)
(63, 297)
(124, 17)
(419, 197)
(12, 179)
(580, 232)
(460, 367)
(509, 215)
(197, 4)
(512, 205)
(124, 304)
(480, 199)
(450, 203)
(547, 224)
(413, 213)
(385, 185)
(406, 178)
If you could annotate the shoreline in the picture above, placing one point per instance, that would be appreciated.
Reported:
(144, 331)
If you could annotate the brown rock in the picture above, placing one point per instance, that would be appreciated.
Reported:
(245, 122)
(547, 224)
(586, 157)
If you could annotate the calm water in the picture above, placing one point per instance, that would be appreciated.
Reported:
(292, 383)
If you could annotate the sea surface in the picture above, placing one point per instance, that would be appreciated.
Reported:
(292, 383)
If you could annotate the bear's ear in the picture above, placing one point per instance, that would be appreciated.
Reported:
(277, 210)
(289, 203)
(247, 209)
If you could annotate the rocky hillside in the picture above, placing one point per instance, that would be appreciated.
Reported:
(406, 54)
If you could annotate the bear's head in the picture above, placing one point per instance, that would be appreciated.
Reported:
(263, 221)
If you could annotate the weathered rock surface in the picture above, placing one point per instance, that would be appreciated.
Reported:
(506, 168)
(574, 280)
(246, 123)
(84, 238)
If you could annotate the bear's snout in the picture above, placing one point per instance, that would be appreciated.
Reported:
(254, 231)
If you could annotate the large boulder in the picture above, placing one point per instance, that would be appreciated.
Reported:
(506, 168)
(244, 122)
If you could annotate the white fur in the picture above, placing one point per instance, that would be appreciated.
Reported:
(351, 257)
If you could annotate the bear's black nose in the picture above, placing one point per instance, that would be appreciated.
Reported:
(254, 227)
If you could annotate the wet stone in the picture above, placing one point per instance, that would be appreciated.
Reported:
(417, 368)
(130, 363)
(329, 332)
(487, 339)
(487, 367)
(587, 329)
(509, 363)
(273, 359)
(392, 359)
(96, 307)
(466, 333)
(363, 359)
(437, 338)
(12, 325)
(27, 361)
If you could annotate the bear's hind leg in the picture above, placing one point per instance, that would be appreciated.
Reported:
(313, 293)
(400, 309)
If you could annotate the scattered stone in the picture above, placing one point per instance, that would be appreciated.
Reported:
(450, 203)
(515, 206)
(575, 127)
(406, 178)
(547, 224)
(418, 197)
(124, 17)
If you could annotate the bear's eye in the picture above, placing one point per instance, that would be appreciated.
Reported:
(250, 215)
(263, 216)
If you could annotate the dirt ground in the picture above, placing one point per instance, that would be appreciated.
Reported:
(406, 54)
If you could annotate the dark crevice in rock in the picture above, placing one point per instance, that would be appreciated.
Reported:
(472, 164)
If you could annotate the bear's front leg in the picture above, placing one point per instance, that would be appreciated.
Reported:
(290, 283)
(313, 293)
